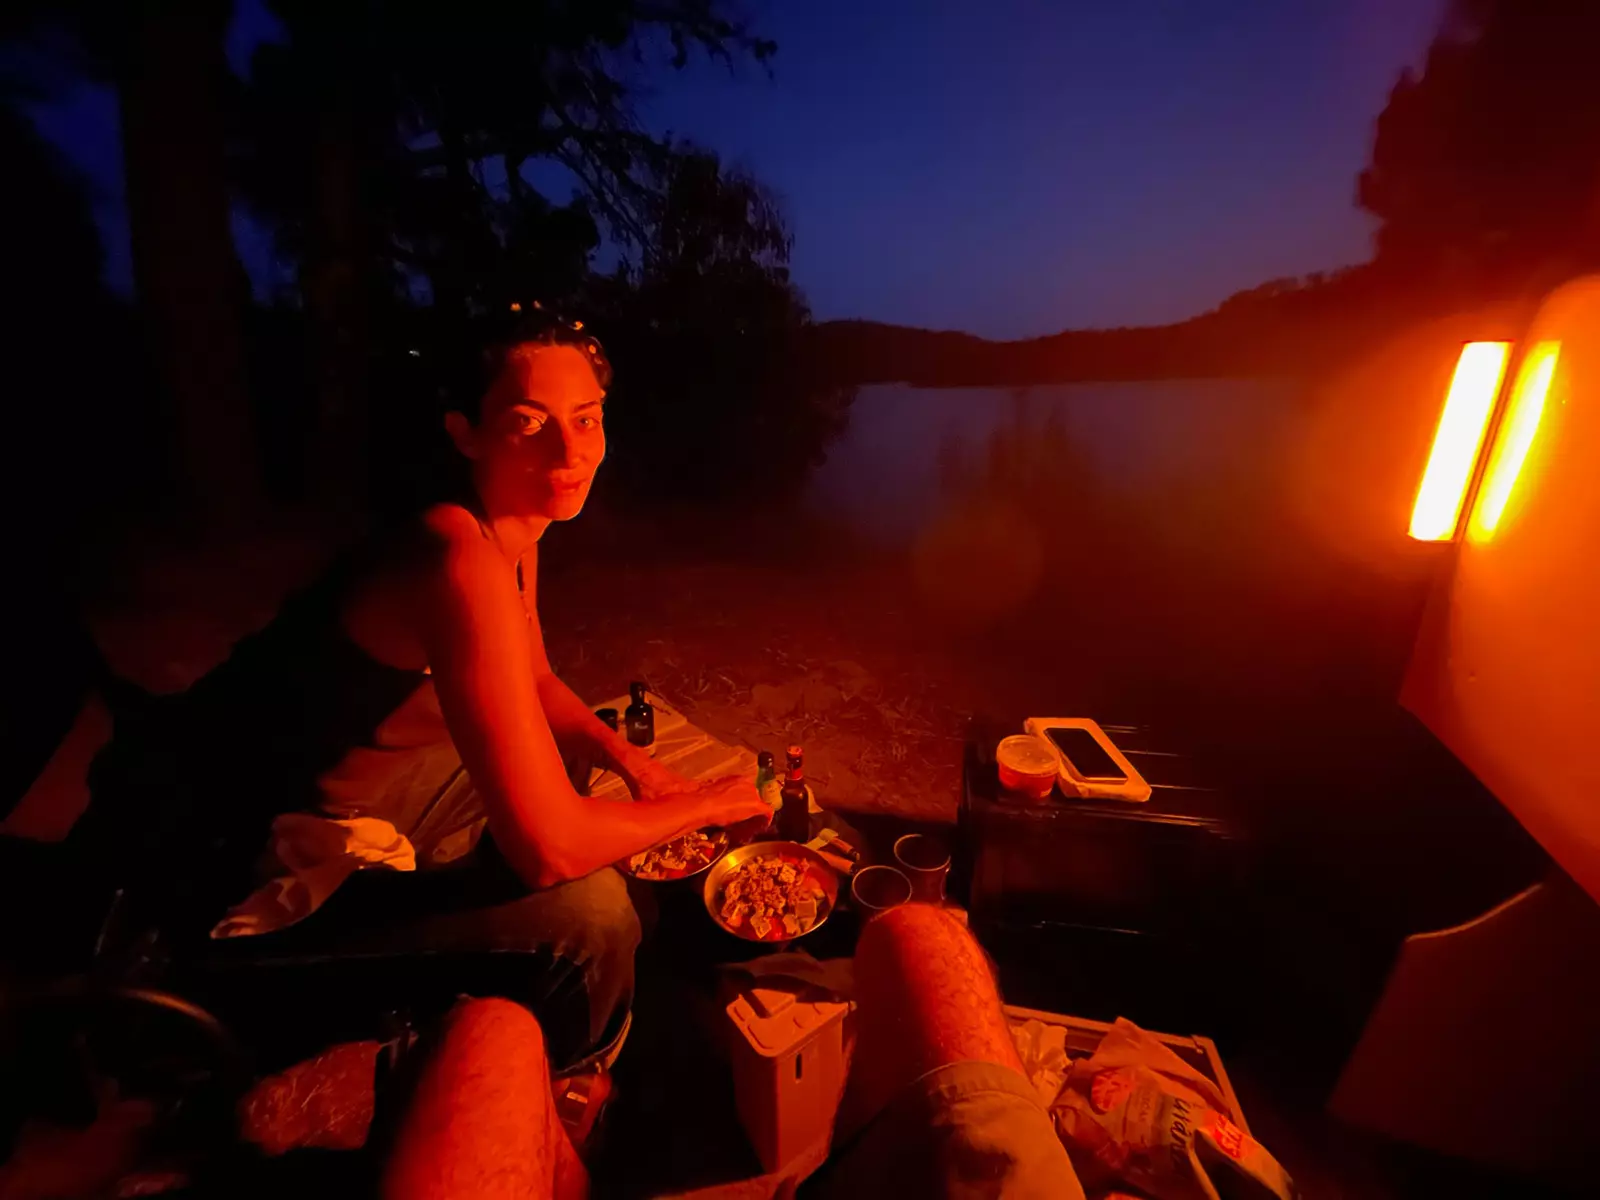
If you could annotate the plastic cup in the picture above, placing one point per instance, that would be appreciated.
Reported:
(925, 861)
(878, 889)
(1028, 766)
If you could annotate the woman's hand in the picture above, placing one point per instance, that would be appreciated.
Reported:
(729, 801)
(652, 781)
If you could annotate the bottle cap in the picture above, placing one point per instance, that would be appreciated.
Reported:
(764, 759)
(636, 689)
(794, 751)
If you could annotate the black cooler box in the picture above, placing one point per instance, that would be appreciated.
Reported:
(1170, 865)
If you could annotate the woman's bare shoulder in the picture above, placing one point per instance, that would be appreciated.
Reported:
(458, 552)
(453, 525)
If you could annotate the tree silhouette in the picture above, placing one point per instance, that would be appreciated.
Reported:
(423, 119)
(388, 142)
(718, 394)
(166, 60)
(53, 303)
(1483, 171)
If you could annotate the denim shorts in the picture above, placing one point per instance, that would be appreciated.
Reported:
(961, 1132)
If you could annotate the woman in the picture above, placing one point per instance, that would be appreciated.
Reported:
(346, 725)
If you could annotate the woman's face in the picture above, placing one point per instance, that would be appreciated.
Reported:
(539, 438)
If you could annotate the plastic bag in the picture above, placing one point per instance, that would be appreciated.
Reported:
(1042, 1046)
(1135, 1113)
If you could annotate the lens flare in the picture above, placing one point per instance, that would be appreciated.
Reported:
(1467, 409)
(1517, 431)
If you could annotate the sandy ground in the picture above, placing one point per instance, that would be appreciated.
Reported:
(766, 657)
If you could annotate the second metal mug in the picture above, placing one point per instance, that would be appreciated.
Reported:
(925, 861)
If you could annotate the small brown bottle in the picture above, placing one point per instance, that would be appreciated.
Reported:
(640, 717)
(794, 816)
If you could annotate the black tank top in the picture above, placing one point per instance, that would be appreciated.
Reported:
(297, 718)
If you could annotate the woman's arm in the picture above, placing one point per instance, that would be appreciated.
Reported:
(477, 637)
(571, 722)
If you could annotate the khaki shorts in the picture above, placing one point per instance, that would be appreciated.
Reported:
(964, 1131)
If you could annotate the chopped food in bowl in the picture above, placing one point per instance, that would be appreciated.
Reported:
(679, 858)
(771, 894)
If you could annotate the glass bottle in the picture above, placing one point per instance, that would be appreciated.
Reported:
(794, 816)
(768, 786)
(640, 717)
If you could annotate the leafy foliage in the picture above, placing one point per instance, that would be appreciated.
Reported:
(52, 302)
(426, 116)
(1483, 172)
(408, 157)
(123, 442)
(716, 395)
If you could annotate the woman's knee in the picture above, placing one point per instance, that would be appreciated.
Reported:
(602, 947)
(581, 921)
(609, 926)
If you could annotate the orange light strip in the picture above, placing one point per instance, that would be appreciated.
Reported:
(1456, 444)
(1516, 436)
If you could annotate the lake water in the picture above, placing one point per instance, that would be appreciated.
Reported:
(883, 478)
(1152, 536)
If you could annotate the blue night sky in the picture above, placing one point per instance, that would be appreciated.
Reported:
(1019, 166)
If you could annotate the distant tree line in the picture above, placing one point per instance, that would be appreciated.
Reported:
(1283, 327)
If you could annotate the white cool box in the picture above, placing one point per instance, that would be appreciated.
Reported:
(789, 1055)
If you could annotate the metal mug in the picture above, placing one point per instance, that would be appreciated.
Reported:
(878, 889)
(925, 860)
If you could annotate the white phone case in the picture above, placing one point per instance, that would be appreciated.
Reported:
(1132, 789)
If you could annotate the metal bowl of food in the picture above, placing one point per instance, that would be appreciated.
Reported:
(682, 857)
(771, 891)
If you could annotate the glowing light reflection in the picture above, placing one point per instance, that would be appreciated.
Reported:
(1467, 408)
(1517, 432)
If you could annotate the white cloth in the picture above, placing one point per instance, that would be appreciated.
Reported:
(319, 853)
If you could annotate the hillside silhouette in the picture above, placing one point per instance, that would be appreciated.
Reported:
(1282, 327)
(1483, 186)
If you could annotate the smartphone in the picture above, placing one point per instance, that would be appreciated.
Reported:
(1086, 756)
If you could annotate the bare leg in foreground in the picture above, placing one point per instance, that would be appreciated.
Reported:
(937, 1104)
(925, 999)
(482, 1123)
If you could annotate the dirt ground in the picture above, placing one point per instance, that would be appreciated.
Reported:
(765, 657)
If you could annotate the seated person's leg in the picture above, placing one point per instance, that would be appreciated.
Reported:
(391, 939)
(591, 931)
(936, 1104)
(481, 1124)
(926, 998)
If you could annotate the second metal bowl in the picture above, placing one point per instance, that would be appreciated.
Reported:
(720, 836)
